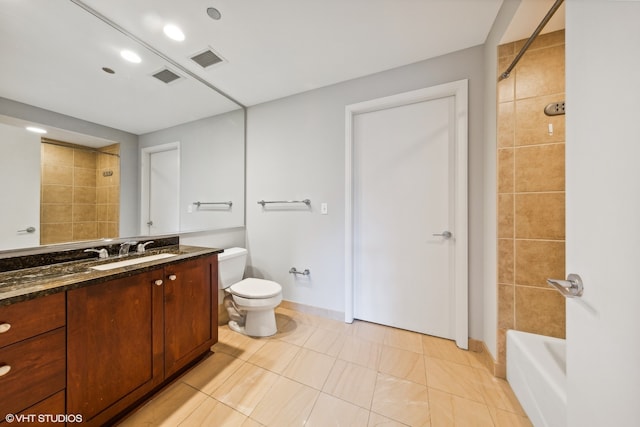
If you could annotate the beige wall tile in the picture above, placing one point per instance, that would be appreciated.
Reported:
(537, 260)
(84, 213)
(532, 125)
(506, 216)
(542, 41)
(507, 49)
(102, 213)
(56, 233)
(506, 124)
(84, 158)
(55, 213)
(540, 311)
(502, 349)
(505, 261)
(113, 212)
(506, 306)
(84, 177)
(505, 170)
(540, 216)
(541, 72)
(56, 154)
(102, 195)
(85, 231)
(54, 174)
(84, 195)
(539, 168)
(57, 194)
(506, 87)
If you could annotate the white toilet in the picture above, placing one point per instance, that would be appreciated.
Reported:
(250, 302)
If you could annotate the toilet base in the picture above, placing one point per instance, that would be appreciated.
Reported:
(259, 323)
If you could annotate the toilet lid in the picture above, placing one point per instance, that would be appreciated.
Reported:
(255, 288)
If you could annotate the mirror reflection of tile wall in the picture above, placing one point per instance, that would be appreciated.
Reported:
(80, 192)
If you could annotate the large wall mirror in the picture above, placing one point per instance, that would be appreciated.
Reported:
(153, 144)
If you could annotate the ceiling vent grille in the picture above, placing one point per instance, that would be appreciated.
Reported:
(207, 59)
(166, 76)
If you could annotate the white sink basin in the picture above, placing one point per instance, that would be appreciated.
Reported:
(133, 261)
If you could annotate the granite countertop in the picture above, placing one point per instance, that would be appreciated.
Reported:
(28, 283)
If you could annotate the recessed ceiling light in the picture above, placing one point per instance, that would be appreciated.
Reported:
(214, 13)
(131, 56)
(173, 32)
(35, 129)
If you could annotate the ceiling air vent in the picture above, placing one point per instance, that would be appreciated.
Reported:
(207, 59)
(166, 76)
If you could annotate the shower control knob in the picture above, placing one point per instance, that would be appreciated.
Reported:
(446, 234)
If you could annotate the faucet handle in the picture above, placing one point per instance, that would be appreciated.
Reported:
(102, 252)
(143, 246)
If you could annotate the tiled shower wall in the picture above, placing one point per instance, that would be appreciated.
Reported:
(531, 191)
(78, 202)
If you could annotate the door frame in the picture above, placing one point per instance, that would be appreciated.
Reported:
(459, 91)
(145, 161)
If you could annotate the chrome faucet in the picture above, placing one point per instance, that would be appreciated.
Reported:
(102, 252)
(142, 247)
(124, 248)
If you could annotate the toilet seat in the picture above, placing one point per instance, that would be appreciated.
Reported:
(255, 289)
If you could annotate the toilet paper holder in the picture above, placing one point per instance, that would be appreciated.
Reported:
(293, 270)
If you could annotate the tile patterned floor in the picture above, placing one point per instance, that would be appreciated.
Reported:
(321, 372)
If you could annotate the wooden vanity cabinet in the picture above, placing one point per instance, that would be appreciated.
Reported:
(190, 311)
(32, 355)
(127, 336)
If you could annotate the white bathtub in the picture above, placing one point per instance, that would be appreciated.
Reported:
(536, 371)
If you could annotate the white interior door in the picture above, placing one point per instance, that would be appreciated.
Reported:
(161, 190)
(405, 229)
(603, 212)
(20, 163)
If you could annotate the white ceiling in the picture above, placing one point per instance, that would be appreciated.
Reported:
(53, 51)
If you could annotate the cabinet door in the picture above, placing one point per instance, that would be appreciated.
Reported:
(114, 345)
(190, 311)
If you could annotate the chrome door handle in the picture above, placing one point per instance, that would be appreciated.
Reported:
(27, 230)
(570, 288)
(446, 234)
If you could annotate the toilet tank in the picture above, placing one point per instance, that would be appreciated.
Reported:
(231, 265)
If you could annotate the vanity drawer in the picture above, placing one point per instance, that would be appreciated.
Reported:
(30, 318)
(37, 370)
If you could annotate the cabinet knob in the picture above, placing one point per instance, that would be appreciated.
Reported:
(4, 370)
(4, 327)
(158, 282)
(172, 277)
